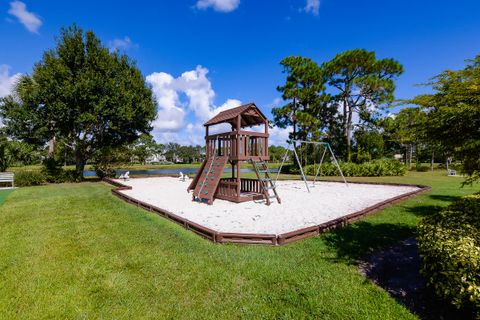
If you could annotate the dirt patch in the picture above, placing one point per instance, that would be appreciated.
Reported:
(396, 270)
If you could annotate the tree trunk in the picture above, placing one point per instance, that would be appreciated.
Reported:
(79, 163)
(51, 147)
(347, 122)
(410, 156)
(346, 128)
(432, 160)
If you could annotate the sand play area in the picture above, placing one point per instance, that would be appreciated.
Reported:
(299, 209)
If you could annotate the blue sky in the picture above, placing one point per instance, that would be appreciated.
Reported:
(202, 56)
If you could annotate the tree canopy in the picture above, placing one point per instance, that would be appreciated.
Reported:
(83, 94)
(360, 83)
(454, 114)
(303, 90)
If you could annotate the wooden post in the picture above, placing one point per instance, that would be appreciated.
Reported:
(207, 148)
(266, 138)
(239, 124)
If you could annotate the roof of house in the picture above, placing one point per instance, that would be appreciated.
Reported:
(250, 115)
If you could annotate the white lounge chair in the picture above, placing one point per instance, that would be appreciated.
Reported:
(452, 172)
(125, 176)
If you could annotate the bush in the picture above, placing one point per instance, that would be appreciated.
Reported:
(449, 243)
(104, 170)
(107, 159)
(374, 168)
(29, 178)
(54, 173)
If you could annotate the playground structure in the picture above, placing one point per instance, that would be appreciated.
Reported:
(236, 147)
(326, 149)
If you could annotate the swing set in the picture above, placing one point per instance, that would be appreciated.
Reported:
(326, 148)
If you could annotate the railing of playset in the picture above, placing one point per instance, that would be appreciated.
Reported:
(239, 146)
(228, 187)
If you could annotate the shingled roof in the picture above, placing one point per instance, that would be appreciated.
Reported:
(249, 113)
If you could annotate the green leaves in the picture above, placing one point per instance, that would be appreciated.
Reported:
(304, 91)
(82, 93)
(454, 114)
(321, 100)
(449, 243)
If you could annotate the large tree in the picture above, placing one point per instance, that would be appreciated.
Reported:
(303, 91)
(359, 83)
(82, 94)
(454, 114)
(409, 130)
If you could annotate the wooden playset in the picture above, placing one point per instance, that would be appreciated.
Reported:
(236, 147)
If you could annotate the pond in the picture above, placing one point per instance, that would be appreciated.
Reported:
(176, 171)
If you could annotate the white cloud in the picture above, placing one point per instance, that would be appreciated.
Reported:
(279, 136)
(196, 86)
(313, 6)
(229, 104)
(170, 115)
(122, 44)
(30, 20)
(186, 102)
(197, 93)
(218, 5)
(7, 81)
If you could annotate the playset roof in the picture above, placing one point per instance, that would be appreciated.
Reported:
(250, 115)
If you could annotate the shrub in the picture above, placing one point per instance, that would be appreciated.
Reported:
(69, 175)
(449, 243)
(29, 178)
(422, 168)
(54, 173)
(374, 168)
(104, 170)
(107, 159)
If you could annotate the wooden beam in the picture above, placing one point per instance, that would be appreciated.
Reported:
(266, 138)
(239, 125)
(206, 142)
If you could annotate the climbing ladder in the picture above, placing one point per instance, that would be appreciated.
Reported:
(209, 179)
(266, 182)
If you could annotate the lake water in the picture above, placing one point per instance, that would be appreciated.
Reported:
(189, 171)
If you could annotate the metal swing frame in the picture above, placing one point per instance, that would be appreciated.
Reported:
(291, 147)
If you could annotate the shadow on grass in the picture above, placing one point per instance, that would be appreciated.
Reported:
(424, 211)
(356, 240)
(444, 198)
(427, 210)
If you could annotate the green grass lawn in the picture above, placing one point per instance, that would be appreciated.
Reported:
(76, 251)
(4, 194)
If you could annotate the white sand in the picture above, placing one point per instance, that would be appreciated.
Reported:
(299, 209)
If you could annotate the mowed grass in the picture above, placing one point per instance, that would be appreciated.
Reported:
(4, 194)
(75, 251)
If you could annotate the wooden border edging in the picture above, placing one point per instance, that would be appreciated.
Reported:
(268, 239)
